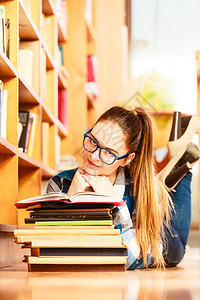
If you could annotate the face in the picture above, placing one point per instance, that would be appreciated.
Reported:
(108, 135)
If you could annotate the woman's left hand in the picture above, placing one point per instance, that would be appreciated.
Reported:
(100, 184)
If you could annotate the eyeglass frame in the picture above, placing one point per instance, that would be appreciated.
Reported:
(100, 147)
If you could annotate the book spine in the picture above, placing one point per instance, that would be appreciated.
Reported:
(29, 128)
(62, 106)
(23, 117)
(4, 114)
(32, 135)
(74, 223)
(2, 29)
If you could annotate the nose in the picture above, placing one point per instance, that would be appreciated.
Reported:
(95, 155)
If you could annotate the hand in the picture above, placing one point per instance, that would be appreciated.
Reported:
(79, 184)
(100, 184)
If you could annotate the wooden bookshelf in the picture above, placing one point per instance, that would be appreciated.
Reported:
(21, 173)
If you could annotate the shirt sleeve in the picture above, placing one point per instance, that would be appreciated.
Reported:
(54, 185)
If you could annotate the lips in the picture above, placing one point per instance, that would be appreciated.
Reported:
(92, 164)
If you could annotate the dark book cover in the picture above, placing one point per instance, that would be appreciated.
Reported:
(23, 118)
(71, 214)
(76, 268)
(83, 252)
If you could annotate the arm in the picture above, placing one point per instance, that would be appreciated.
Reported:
(69, 182)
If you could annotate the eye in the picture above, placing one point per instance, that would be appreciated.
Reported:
(92, 142)
(107, 153)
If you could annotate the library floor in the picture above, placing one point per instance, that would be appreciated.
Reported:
(182, 282)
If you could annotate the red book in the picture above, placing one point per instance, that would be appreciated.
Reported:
(91, 84)
(82, 197)
(62, 106)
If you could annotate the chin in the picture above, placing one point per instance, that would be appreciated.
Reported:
(91, 171)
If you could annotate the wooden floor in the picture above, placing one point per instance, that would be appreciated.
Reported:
(182, 282)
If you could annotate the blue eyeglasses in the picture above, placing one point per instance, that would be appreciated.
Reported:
(105, 155)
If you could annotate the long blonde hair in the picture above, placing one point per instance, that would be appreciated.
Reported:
(152, 200)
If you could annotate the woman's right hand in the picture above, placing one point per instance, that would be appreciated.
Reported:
(79, 184)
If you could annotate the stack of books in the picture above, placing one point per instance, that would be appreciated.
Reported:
(75, 234)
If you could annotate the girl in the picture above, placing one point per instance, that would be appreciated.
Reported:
(118, 160)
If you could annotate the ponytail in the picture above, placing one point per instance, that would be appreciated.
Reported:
(152, 200)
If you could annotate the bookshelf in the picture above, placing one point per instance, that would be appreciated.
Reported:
(22, 174)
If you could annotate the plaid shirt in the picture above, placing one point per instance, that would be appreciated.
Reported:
(123, 216)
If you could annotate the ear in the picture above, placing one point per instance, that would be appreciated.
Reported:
(129, 159)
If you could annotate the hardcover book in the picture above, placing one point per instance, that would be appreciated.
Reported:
(24, 119)
(78, 198)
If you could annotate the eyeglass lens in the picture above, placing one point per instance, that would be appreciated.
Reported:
(91, 146)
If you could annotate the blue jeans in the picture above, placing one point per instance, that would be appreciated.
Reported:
(178, 231)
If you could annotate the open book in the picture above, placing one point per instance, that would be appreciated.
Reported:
(78, 198)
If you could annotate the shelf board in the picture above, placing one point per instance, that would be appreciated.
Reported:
(62, 82)
(48, 7)
(6, 67)
(47, 172)
(47, 115)
(6, 147)
(49, 58)
(91, 33)
(27, 27)
(27, 161)
(62, 130)
(161, 113)
(62, 35)
(26, 93)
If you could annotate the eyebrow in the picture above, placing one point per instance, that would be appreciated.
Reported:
(112, 150)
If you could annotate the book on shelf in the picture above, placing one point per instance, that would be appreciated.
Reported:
(7, 37)
(78, 198)
(62, 14)
(46, 31)
(2, 29)
(28, 135)
(62, 106)
(88, 11)
(28, 121)
(29, 63)
(3, 110)
(26, 65)
(19, 130)
(91, 84)
(32, 119)
(59, 56)
(24, 119)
